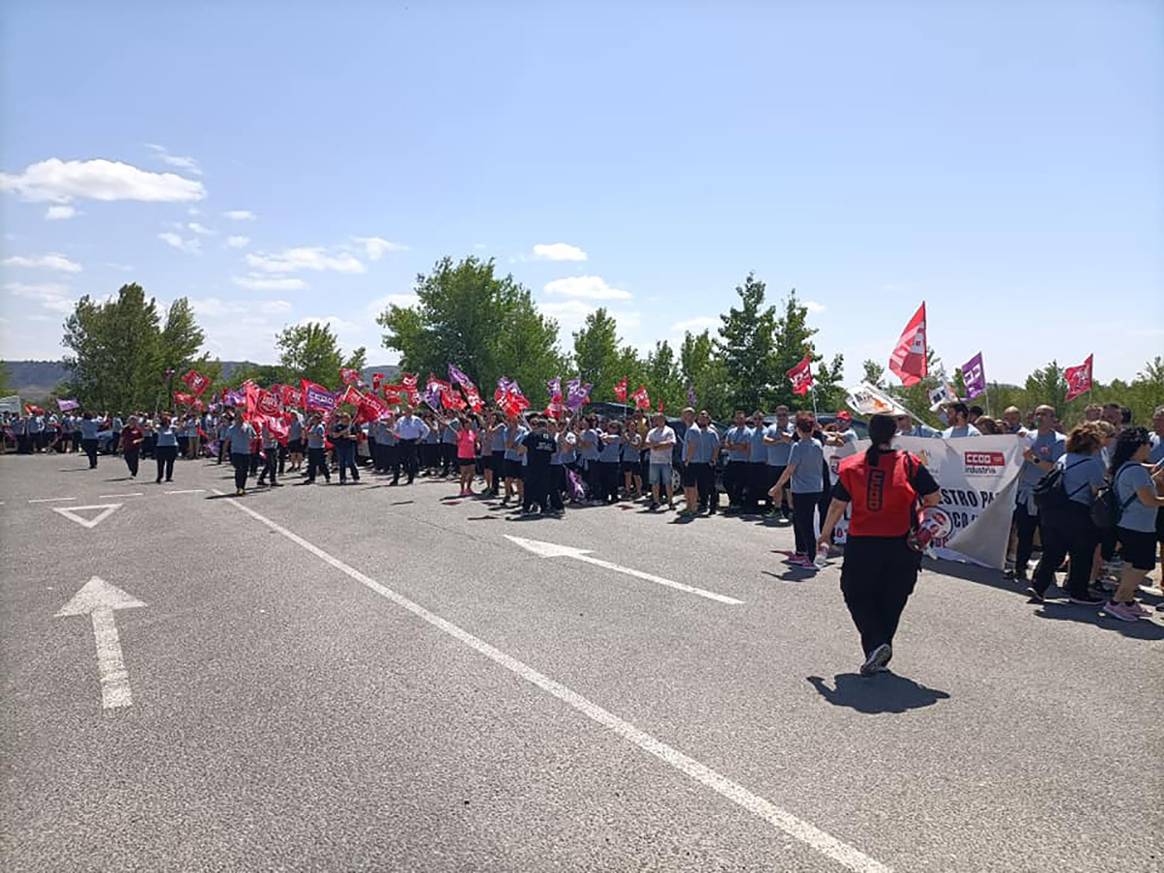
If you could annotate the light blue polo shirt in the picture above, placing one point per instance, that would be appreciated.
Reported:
(808, 456)
(778, 453)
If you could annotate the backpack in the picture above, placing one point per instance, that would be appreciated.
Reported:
(1050, 492)
(1107, 508)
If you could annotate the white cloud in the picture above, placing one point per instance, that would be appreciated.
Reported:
(586, 287)
(50, 295)
(480, 246)
(124, 268)
(57, 181)
(59, 213)
(182, 162)
(814, 307)
(558, 252)
(50, 261)
(240, 215)
(269, 283)
(193, 211)
(376, 247)
(237, 242)
(306, 258)
(200, 229)
(215, 307)
(275, 307)
(696, 325)
(189, 246)
(570, 315)
(404, 301)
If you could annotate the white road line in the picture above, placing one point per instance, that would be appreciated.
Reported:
(130, 494)
(812, 836)
(51, 499)
(188, 491)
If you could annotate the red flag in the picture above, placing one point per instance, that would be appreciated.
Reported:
(196, 382)
(801, 376)
(290, 396)
(393, 393)
(268, 403)
(183, 399)
(377, 378)
(660, 409)
(908, 360)
(349, 375)
(371, 408)
(641, 398)
(1078, 379)
(352, 396)
(408, 380)
(620, 391)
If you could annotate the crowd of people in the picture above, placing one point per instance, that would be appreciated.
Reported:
(765, 464)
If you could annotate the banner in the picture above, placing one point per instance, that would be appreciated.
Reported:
(1078, 379)
(801, 376)
(196, 382)
(67, 405)
(11, 403)
(867, 400)
(908, 360)
(945, 392)
(974, 377)
(577, 393)
(317, 398)
(692, 400)
(977, 477)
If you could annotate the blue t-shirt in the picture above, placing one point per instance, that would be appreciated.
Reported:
(588, 445)
(519, 433)
(778, 453)
(1081, 473)
(1157, 453)
(739, 437)
(808, 456)
(706, 443)
(963, 430)
(1129, 479)
(315, 436)
(1049, 447)
(240, 435)
(89, 429)
(759, 451)
(167, 435)
(295, 428)
(498, 444)
(611, 448)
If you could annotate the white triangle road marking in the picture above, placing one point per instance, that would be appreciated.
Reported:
(70, 512)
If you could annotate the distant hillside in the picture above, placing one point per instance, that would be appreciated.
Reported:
(35, 380)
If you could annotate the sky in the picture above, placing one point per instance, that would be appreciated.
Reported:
(278, 162)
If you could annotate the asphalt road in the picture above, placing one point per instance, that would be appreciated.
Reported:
(379, 678)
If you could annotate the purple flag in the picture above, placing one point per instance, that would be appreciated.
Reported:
(455, 375)
(577, 393)
(974, 377)
(235, 398)
(67, 405)
(554, 386)
(691, 398)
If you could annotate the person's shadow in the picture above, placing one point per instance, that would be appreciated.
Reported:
(881, 692)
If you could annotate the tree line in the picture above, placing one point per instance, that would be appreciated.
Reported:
(490, 326)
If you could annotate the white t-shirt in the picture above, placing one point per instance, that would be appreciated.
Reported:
(661, 435)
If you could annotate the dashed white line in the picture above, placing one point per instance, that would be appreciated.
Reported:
(812, 836)
(51, 499)
(130, 494)
(188, 491)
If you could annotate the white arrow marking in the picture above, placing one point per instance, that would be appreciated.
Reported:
(98, 599)
(70, 512)
(51, 499)
(552, 550)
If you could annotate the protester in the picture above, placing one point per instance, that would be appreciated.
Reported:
(538, 446)
(515, 433)
(660, 443)
(316, 447)
(882, 486)
(958, 417)
(166, 448)
(89, 430)
(269, 441)
(1136, 488)
(737, 443)
(1044, 447)
(131, 440)
(409, 431)
(805, 475)
(468, 441)
(1067, 528)
(778, 441)
(239, 438)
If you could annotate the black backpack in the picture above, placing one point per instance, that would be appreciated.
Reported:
(1107, 508)
(1050, 492)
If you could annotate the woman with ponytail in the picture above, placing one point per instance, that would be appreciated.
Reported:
(880, 569)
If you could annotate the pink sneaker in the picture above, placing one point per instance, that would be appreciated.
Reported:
(1122, 611)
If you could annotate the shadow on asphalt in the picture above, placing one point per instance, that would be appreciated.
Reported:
(880, 693)
(1144, 629)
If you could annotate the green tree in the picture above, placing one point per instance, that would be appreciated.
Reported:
(793, 340)
(597, 357)
(829, 384)
(485, 324)
(704, 373)
(663, 379)
(311, 351)
(120, 350)
(874, 373)
(746, 347)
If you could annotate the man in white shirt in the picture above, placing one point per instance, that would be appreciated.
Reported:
(660, 442)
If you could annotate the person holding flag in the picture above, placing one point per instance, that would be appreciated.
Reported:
(166, 447)
(410, 430)
(239, 438)
(316, 447)
(269, 442)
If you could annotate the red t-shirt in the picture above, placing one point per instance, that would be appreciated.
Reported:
(883, 497)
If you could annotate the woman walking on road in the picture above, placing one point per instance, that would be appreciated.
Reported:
(131, 440)
(166, 448)
(89, 428)
(240, 436)
(805, 472)
(880, 568)
(1137, 487)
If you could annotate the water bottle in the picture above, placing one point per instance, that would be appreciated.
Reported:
(822, 556)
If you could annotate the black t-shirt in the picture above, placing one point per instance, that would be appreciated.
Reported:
(539, 448)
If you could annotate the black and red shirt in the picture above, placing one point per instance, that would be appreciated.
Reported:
(883, 496)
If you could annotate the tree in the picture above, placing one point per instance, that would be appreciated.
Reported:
(120, 350)
(311, 351)
(745, 345)
(596, 354)
(793, 340)
(704, 374)
(662, 377)
(486, 325)
(874, 373)
(829, 384)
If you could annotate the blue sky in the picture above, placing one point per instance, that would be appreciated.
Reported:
(1000, 161)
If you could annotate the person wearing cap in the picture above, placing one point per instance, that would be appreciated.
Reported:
(958, 417)
(844, 435)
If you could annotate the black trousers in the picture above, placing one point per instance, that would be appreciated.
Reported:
(1066, 532)
(317, 463)
(76, 436)
(90, 447)
(803, 512)
(147, 446)
(408, 458)
(270, 466)
(607, 481)
(115, 443)
(221, 449)
(131, 458)
(877, 577)
(165, 457)
(734, 480)
(705, 484)
(242, 469)
(1025, 526)
(757, 487)
(537, 489)
(448, 458)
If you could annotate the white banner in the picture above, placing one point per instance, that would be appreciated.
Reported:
(977, 477)
(11, 403)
